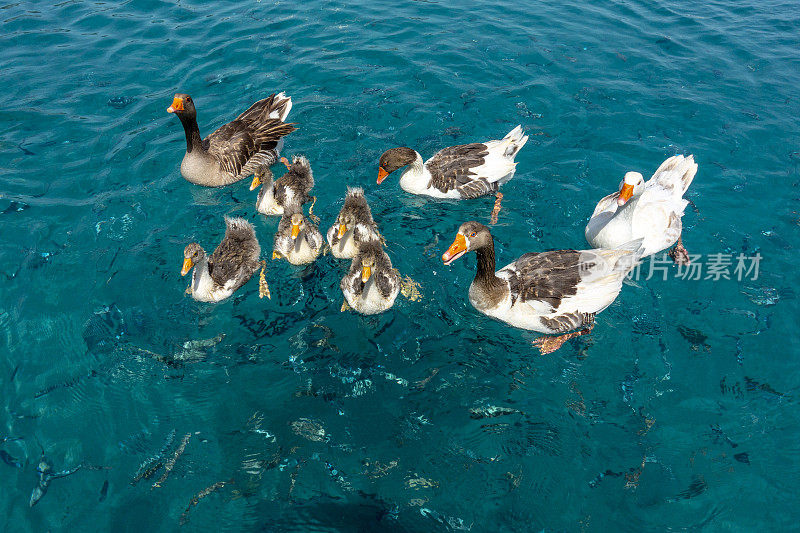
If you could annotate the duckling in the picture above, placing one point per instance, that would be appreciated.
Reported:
(371, 286)
(292, 188)
(297, 239)
(231, 265)
(353, 227)
(237, 149)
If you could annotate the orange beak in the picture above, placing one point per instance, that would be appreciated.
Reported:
(625, 194)
(342, 230)
(295, 231)
(456, 250)
(187, 266)
(366, 272)
(256, 182)
(177, 105)
(382, 174)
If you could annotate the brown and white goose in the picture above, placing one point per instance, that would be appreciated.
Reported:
(549, 292)
(353, 227)
(237, 149)
(297, 239)
(371, 285)
(293, 188)
(231, 265)
(458, 172)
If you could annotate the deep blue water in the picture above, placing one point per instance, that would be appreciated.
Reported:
(678, 412)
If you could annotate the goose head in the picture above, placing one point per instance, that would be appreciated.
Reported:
(631, 184)
(192, 255)
(471, 236)
(261, 175)
(183, 106)
(367, 266)
(394, 159)
(298, 225)
(346, 221)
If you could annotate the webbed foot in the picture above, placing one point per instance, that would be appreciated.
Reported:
(263, 288)
(314, 218)
(497, 207)
(679, 254)
(410, 289)
(548, 345)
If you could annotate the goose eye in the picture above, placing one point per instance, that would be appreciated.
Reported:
(471, 235)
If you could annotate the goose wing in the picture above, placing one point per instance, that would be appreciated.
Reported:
(236, 257)
(237, 142)
(545, 278)
(452, 167)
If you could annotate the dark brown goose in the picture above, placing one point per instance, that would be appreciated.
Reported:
(231, 265)
(549, 292)
(237, 149)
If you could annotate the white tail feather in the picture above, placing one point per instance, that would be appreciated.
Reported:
(516, 139)
(623, 257)
(283, 111)
(676, 173)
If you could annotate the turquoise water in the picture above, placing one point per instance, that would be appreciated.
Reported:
(679, 411)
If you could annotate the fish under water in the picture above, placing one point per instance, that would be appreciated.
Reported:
(152, 464)
(46, 475)
(9, 460)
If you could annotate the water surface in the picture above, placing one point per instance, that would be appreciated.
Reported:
(678, 411)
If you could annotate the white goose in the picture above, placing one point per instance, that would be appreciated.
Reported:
(650, 210)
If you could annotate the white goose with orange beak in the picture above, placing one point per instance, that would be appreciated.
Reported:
(650, 210)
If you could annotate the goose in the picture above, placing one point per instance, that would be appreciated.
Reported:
(353, 227)
(371, 285)
(549, 292)
(458, 172)
(231, 265)
(292, 188)
(297, 240)
(650, 210)
(237, 149)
